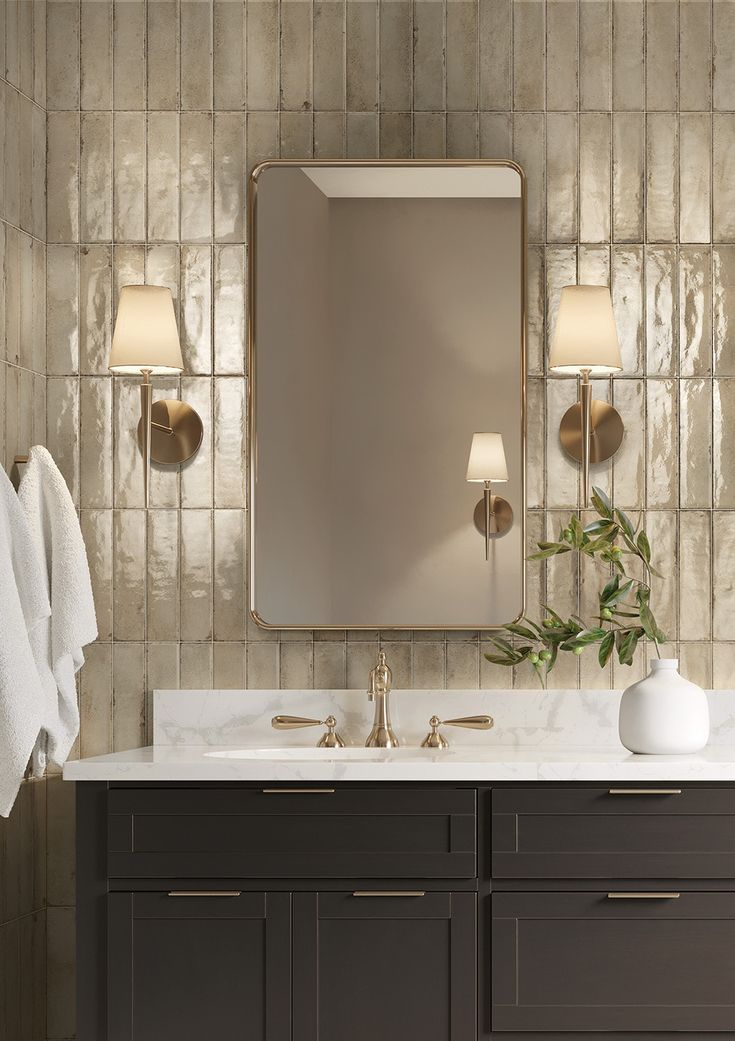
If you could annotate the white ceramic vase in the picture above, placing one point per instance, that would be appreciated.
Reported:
(664, 714)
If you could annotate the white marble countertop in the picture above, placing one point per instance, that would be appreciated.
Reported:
(467, 763)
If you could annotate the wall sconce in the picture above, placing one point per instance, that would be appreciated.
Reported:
(586, 344)
(146, 343)
(493, 515)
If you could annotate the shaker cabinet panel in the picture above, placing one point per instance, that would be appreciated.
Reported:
(392, 966)
(577, 962)
(187, 967)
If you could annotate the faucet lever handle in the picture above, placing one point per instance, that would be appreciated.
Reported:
(435, 740)
(329, 740)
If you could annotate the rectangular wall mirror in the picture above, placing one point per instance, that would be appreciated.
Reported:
(387, 310)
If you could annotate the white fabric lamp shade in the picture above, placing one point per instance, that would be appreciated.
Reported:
(585, 336)
(145, 334)
(487, 459)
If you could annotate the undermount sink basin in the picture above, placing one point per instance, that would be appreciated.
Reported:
(321, 754)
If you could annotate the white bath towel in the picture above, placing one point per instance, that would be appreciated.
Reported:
(54, 525)
(24, 609)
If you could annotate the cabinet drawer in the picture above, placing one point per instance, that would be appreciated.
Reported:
(585, 962)
(655, 831)
(313, 832)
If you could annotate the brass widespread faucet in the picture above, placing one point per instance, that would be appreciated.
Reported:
(379, 687)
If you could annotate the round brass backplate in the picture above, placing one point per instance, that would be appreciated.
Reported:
(606, 434)
(185, 439)
(503, 513)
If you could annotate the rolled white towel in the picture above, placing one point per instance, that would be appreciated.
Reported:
(24, 610)
(54, 525)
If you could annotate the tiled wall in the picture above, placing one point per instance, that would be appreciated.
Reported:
(23, 844)
(157, 110)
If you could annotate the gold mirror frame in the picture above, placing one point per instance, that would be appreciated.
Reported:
(251, 373)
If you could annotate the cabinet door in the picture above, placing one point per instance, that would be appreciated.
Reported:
(186, 967)
(613, 962)
(386, 965)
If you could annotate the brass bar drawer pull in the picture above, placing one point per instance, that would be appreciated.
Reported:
(644, 791)
(389, 892)
(643, 896)
(298, 791)
(205, 892)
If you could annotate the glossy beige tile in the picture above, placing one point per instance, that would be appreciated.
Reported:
(562, 473)
(723, 177)
(38, 173)
(196, 176)
(62, 59)
(96, 54)
(626, 280)
(12, 155)
(429, 71)
(296, 56)
(595, 148)
(228, 25)
(39, 51)
(629, 462)
(595, 34)
(95, 177)
(297, 132)
(536, 444)
(695, 55)
(723, 437)
(128, 696)
(195, 24)
(25, 273)
(723, 40)
(195, 666)
(196, 574)
(62, 431)
(361, 43)
(627, 54)
(262, 55)
(196, 308)
(262, 665)
(695, 311)
(723, 665)
(535, 311)
(362, 135)
(495, 54)
(95, 308)
(97, 531)
(530, 153)
(329, 54)
(229, 310)
(496, 134)
(162, 572)
(63, 177)
(723, 589)
(562, 46)
(395, 135)
(12, 294)
(127, 466)
(723, 294)
(529, 51)
(661, 177)
(196, 474)
(129, 574)
(329, 135)
(296, 666)
(162, 661)
(229, 442)
(229, 665)
(62, 273)
(461, 55)
(695, 150)
(25, 163)
(462, 140)
(695, 662)
(562, 164)
(661, 282)
(163, 53)
(695, 443)
(229, 593)
(128, 186)
(329, 665)
(695, 585)
(95, 480)
(661, 444)
(229, 184)
(128, 55)
(162, 181)
(395, 55)
(662, 53)
(261, 137)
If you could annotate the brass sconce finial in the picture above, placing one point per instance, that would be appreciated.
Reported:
(586, 344)
(493, 515)
(146, 343)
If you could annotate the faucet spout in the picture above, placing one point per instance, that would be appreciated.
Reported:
(379, 687)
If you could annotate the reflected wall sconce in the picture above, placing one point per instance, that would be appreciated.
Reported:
(146, 343)
(493, 515)
(586, 344)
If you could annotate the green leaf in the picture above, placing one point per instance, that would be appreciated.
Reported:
(606, 649)
(552, 614)
(628, 644)
(644, 546)
(626, 524)
(648, 622)
(575, 526)
(584, 639)
(599, 527)
(521, 630)
(552, 552)
(619, 594)
(503, 645)
(601, 503)
(610, 587)
(653, 571)
(494, 659)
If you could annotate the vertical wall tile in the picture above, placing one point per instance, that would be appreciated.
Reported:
(723, 427)
(695, 55)
(594, 176)
(362, 136)
(396, 48)
(296, 666)
(25, 163)
(128, 698)
(229, 310)
(97, 531)
(39, 48)
(561, 177)
(229, 442)
(96, 54)
(361, 50)
(695, 311)
(627, 295)
(95, 203)
(462, 140)
(661, 177)
(162, 51)
(662, 53)
(62, 273)
(229, 665)
(196, 54)
(196, 475)
(661, 444)
(95, 308)
(62, 395)
(535, 445)
(695, 151)
(196, 176)
(163, 176)
(628, 176)
(129, 579)
(662, 353)
(196, 308)
(629, 463)
(723, 587)
(229, 183)
(723, 177)
(128, 470)
(595, 31)
(228, 21)
(296, 56)
(128, 55)
(723, 292)
(561, 55)
(627, 54)
(529, 53)
(62, 60)
(695, 437)
(529, 151)
(162, 568)
(95, 700)
(461, 58)
(429, 74)
(261, 138)
(296, 135)
(63, 177)
(95, 484)
(496, 134)
(230, 596)
(329, 54)
(723, 63)
(262, 55)
(38, 174)
(12, 294)
(196, 574)
(395, 135)
(495, 54)
(128, 186)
